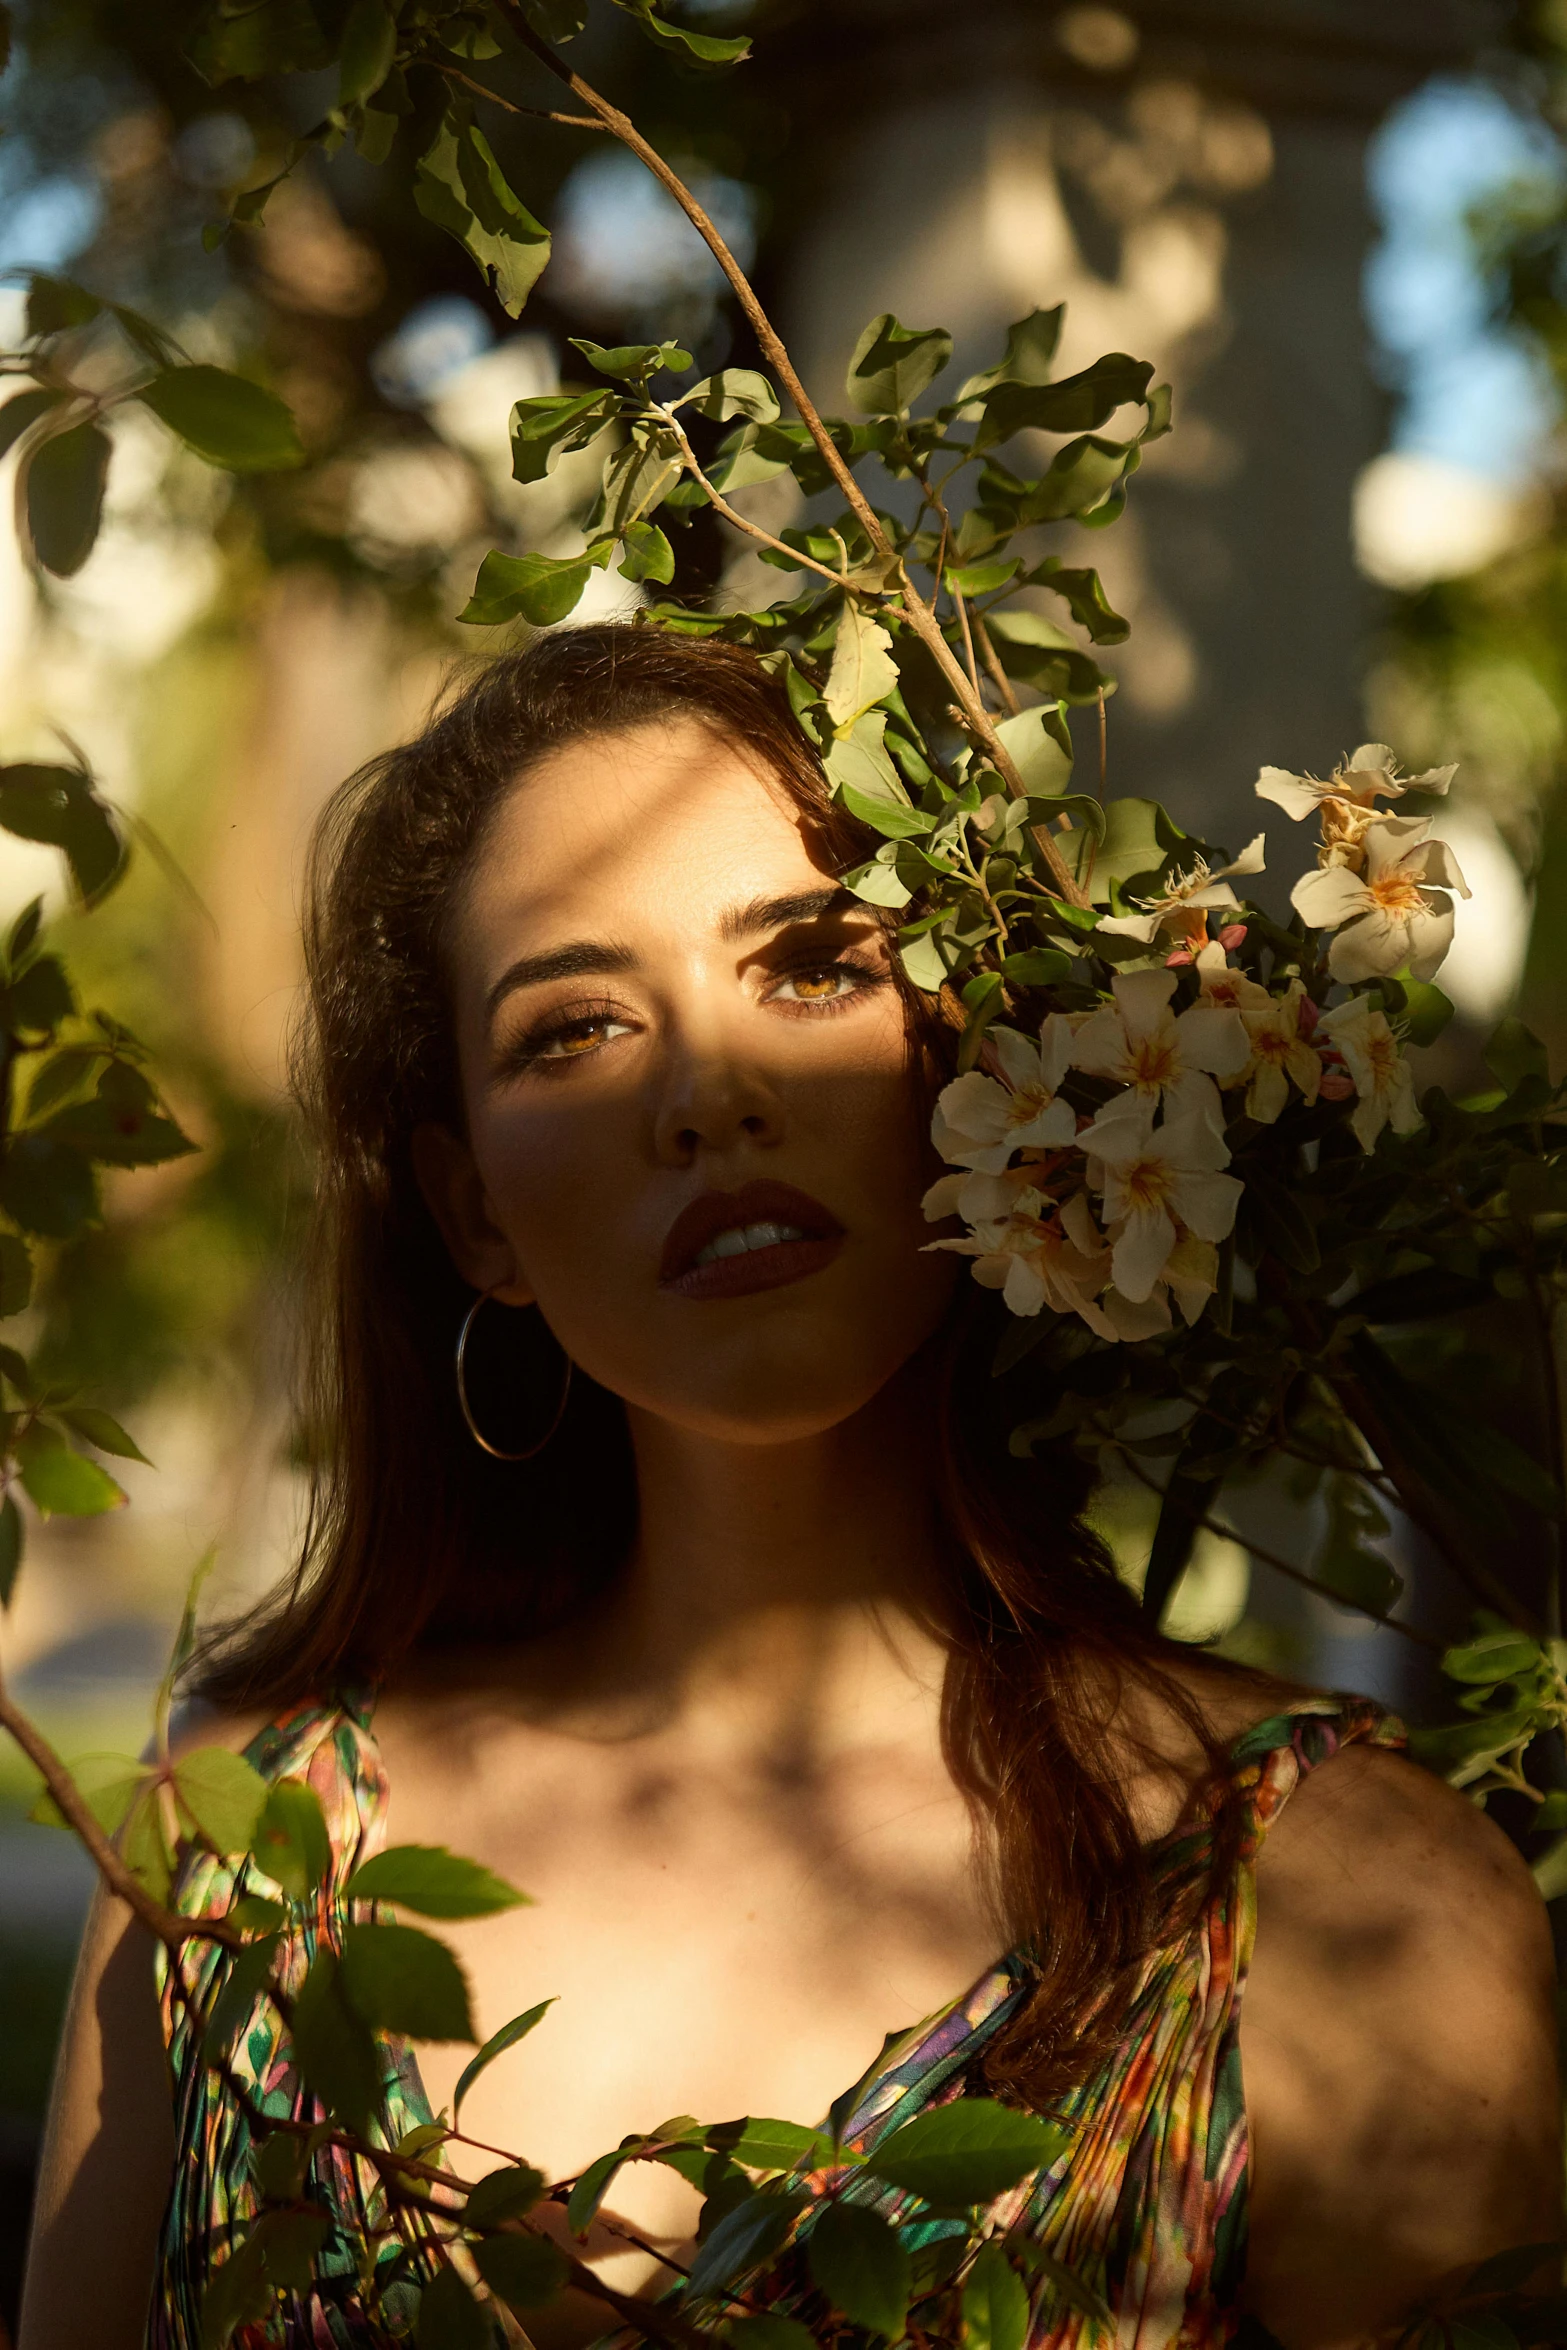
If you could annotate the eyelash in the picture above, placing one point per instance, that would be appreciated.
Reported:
(531, 1051)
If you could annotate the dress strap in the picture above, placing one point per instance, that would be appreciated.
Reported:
(1269, 1761)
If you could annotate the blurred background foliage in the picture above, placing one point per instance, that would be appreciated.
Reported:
(1345, 242)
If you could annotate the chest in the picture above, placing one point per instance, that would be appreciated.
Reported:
(716, 1942)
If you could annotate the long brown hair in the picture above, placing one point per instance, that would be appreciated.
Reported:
(416, 1537)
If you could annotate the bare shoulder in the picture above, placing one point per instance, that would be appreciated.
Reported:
(196, 1722)
(1398, 2046)
(1371, 1836)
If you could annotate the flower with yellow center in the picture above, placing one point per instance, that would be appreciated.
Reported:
(1390, 914)
(1042, 1255)
(1374, 1058)
(1184, 905)
(1369, 774)
(1279, 1050)
(1158, 1055)
(979, 1122)
(1159, 1183)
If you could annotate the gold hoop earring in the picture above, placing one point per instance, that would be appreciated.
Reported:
(474, 1431)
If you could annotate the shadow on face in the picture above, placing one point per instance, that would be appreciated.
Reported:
(695, 1124)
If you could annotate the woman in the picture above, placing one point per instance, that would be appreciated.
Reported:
(788, 1692)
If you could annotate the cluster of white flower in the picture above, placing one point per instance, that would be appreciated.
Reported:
(1113, 1216)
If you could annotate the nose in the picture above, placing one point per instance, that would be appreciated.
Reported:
(712, 1100)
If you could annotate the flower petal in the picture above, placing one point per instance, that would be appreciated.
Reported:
(1023, 1290)
(1145, 1318)
(1141, 1251)
(1268, 1091)
(1250, 859)
(1430, 936)
(1019, 1058)
(1297, 795)
(1057, 1036)
(1206, 1204)
(972, 1109)
(942, 1198)
(1143, 927)
(1100, 1044)
(1325, 897)
(1141, 998)
(1441, 868)
(1193, 1096)
(1052, 1129)
(1370, 948)
(1213, 1037)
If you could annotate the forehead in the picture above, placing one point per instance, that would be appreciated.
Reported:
(665, 823)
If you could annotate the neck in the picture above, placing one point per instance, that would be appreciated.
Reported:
(778, 1585)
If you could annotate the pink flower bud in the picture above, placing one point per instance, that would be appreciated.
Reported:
(1181, 955)
(1337, 1085)
(1310, 1014)
(1232, 936)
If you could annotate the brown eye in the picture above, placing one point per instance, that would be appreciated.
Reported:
(576, 1038)
(819, 986)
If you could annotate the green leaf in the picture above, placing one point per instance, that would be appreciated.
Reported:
(923, 962)
(402, 1980)
(735, 391)
(225, 418)
(1427, 1010)
(646, 554)
(863, 670)
(594, 2184)
(1085, 598)
(1038, 967)
(864, 778)
(752, 2232)
(771, 2145)
(102, 1429)
(450, 2318)
(291, 1844)
(461, 188)
(995, 2303)
(433, 1881)
(504, 2194)
(1347, 1565)
(237, 2293)
(700, 49)
(64, 477)
(1041, 750)
(116, 1129)
(47, 1187)
(57, 805)
(1077, 404)
(235, 2003)
(23, 935)
(16, 1274)
(892, 364)
(1494, 1657)
(24, 409)
(39, 998)
(969, 2152)
(861, 2266)
(497, 2045)
(277, 36)
(369, 47)
(1512, 1053)
(633, 362)
(524, 2271)
(56, 304)
(541, 429)
(538, 588)
(1030, 351)
(10, 1548)
(107, 1783)
(144, 1845)
(336, 2052)
(878, 883)
(61, 1483)
(223, 1795)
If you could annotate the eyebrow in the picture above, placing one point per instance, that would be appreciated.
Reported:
(585, 956)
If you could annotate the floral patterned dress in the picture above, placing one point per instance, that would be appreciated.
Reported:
(1147, 2205)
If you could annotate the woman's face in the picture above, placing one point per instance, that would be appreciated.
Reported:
(695, 1136)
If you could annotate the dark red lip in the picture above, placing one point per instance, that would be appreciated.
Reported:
(767, 1268)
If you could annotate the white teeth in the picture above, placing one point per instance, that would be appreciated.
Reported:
(735, 1243)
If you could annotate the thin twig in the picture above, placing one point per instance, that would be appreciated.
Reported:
(1104, 744)
(578, 122)
(988, 654)
(722, 506)
(960, 606)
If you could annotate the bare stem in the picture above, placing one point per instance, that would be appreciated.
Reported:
(721, 505)
(999, 677)
(578, 122)
(960, 606)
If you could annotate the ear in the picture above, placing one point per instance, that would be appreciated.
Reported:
(453, 1191)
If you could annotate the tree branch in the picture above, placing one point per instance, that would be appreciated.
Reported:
(721, 505)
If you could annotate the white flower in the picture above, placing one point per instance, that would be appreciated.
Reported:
(1058, 1260)
(1190, 1276)
(1184, 903)
(1383, 1078)
(1154, 1054)
(1389, 914)
(1279, 1050)
(1370, 773)
(1158, 1183)
(980, 1123)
